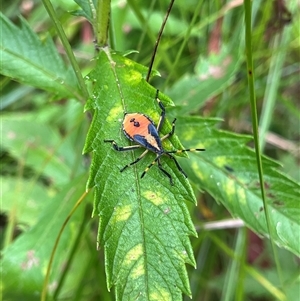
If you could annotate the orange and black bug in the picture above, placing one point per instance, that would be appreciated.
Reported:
(141, 129)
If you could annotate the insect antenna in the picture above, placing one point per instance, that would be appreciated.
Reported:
(158, 40)
(177, 151)
(182, 151)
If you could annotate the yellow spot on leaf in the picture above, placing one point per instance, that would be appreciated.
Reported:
(241, 195)
(132, 258)
(159, 294)
(230, 190)
(197, 170)
(154, 197)
(128, 63)
(122, 213)
(134, 254)
(221, 161)
(114, 113)
(133, 77)
(138, 270)
(189, 135)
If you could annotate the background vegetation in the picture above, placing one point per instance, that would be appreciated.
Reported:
(202, 64)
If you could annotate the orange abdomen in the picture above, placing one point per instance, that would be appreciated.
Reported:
(136, 124)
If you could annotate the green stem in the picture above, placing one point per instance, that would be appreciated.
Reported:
(86, 218)
(102, 22)
(248, 40)
(68, 49)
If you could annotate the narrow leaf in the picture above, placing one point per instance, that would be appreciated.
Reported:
(87, 9)
(211, 76)
(37, 144)
(24, 261)
(31, 61)
(24, 198)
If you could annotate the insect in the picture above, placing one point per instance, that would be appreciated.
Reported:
(140, 128)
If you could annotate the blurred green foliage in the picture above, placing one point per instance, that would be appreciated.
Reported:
(201, 59)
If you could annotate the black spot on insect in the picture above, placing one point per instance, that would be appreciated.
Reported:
(135, 123)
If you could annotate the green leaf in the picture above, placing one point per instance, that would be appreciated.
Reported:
(211, 76)
(24, 261)
(24, 198)
(36, 140)
(228, 171)
(31, 61)
(86, 11)
(38, 145)
(144, 223)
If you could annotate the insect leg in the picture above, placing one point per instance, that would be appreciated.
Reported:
(165, 172)
(122, 148)
(150, 165)
(172, 131)
(177, 164)
(127, 148)
(135, 161)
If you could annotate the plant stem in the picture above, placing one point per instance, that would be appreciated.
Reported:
(102, 22)
(251, 81)
(67, 47)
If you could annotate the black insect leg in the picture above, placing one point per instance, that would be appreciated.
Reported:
(127, 148)
(122, 148)
(150, 165)
(172, 131)
(177, 164)
(135, 161)
(165, 172)
(157, 159)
